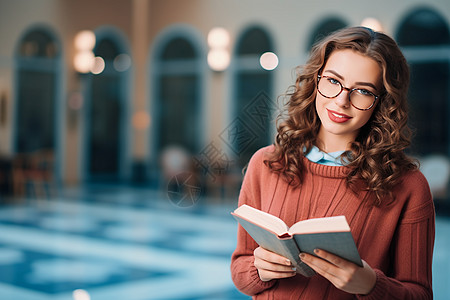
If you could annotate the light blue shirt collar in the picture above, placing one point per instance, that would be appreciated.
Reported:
(320, 157)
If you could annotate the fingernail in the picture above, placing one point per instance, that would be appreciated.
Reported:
(288, 262)
(316, 251)
(302, 255)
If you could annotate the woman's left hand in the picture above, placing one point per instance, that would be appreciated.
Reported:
(341, 273)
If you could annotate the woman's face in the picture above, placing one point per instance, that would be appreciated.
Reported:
(340, 121)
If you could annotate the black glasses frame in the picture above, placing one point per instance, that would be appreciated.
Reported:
(350, 91)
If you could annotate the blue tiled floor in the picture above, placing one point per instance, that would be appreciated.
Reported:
(125, 243)
(115, 243)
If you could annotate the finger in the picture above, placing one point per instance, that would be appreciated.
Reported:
(334, 259)
(271, 257)
(269, 266)
(321, 266)
(266, 275)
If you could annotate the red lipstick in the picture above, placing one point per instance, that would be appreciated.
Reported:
(338, 117)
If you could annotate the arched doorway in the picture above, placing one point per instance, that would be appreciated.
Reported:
(37, 132)
(107, 112)
(176, 107)
(324, 28)
(37, 71)
(252, 126)
(424, 38)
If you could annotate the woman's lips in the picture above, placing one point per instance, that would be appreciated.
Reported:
(337, 117)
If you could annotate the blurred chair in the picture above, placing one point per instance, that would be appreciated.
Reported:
(436, 169)
(224, 183)
(32, 173)
(19, 168)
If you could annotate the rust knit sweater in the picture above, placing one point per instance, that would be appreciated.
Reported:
(395, 239)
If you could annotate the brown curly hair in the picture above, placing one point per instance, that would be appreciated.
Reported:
(377, 155)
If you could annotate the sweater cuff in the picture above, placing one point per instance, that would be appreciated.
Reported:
(260, 285)
(379, 291)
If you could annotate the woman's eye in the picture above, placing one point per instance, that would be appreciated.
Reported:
(333, 81)
(364, 92)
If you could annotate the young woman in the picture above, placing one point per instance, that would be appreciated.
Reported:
(340, 151)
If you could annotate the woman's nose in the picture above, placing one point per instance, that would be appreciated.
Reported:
(343, 99)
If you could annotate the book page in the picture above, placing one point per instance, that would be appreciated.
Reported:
(262, 219)
(317, 225)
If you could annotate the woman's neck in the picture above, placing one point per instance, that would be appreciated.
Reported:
(333, 143)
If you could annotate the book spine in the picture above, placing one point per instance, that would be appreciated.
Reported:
(288, 248)
(292, 253)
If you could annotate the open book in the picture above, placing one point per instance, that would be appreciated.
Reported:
(331, 234)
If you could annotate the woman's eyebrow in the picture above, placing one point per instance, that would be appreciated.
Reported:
(335, 73)
(357, 83)
(367, 84)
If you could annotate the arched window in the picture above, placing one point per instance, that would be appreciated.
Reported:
(423, 27)
(252, 126)
(38, 68)
(106, 110)
(176, 106)
(323, 29)
(424, 37)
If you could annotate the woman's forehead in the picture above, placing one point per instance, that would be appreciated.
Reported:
(352, 66)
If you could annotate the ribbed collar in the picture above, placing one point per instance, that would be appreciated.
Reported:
(324, 170)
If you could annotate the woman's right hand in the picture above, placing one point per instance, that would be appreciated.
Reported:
(271, 265)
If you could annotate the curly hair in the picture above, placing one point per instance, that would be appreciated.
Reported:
(377, 155)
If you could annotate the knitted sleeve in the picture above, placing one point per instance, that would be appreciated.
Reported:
(243, 272)
(412, 247)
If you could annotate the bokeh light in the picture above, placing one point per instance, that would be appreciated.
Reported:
(269, 61)
(122, 62)
(85, 40)
(218, 37)
(218, 59)
(98, 65)
(218, 55)
(80, 294)
(83, 61)
(141, 120)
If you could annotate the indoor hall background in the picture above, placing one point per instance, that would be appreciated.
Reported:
(124, 126)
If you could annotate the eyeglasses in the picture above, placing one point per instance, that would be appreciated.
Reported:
(330, 87)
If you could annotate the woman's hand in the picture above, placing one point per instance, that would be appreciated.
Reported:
(341, 273)
(271, 265)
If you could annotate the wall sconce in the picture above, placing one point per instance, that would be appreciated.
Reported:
(84, 59)
(373, 24)
(219, 54)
